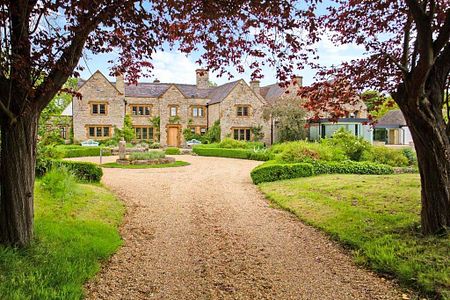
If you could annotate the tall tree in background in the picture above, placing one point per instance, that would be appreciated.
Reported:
(42, 41)
(289, 118)
(408, 57)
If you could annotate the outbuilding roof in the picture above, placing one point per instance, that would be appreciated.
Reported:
(394, 118)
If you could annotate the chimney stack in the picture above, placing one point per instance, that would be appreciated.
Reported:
(202, 78)
(120, 84)
(255, 85)
(298, 80)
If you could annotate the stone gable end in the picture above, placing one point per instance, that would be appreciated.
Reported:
(97, 89)
(242, 94)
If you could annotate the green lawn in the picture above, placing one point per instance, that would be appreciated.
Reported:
(178, 163)
(73, 236)
(376, 216)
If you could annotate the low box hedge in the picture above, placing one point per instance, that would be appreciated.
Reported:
(232, 153)
(84, 171)
(79, 151)
(352, 167)
(274, 172)
(173, 151)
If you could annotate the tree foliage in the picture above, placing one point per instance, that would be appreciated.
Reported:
(289, 117)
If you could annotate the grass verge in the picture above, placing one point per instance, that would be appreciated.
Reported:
(72, 237)
(178, 163)
(378, 216)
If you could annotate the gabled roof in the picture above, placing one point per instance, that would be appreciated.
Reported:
(272, 92)
(219, 93)
(394, 118)
(82, 82)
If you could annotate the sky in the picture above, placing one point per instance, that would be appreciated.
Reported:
(172, 66)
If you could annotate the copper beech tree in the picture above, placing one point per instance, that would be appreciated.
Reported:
(41, 43)
(408, 57)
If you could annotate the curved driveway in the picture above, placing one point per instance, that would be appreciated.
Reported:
(205, 232)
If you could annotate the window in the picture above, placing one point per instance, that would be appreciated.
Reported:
(140, 110)
(242, 134)
(63, 132)
(98, 109)
(143, 133)
(173, 111)
(198, 129)
(242, 111)
(99, 131)
(198, 111)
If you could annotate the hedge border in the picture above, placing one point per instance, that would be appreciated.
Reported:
(83, 171)
(232, 153)
(272, 171)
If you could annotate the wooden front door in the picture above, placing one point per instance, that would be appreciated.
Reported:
(172, 137)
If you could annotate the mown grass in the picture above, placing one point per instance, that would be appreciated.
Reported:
(72, 236)
(376, 216)
(177, 163)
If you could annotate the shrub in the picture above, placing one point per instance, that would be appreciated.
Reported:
(80, 151)
(222, 152)
(147, 155)
(230, 143)
(411, 155)
(60, 183)
(259, 155)
(154, 146)
(351, 167)
(274, 172)
(352, 146)
(385, 155)
(173, 151)
(213, 134)
(49, 151)
(83, 171)
(303, 151)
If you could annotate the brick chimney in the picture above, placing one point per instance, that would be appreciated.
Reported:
(120, 84)
(255, 85)
(202, 78)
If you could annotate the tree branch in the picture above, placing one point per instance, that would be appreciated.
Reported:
(444, 35)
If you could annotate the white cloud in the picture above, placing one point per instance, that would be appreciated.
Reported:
(173, 67)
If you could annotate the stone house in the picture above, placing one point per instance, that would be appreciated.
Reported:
(238, 106)
(104, 104)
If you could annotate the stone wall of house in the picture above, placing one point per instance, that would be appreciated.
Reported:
(213, 114)
(174, 97)
(242, 94)
(97, 89)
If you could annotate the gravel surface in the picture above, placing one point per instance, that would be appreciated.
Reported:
(205, 232)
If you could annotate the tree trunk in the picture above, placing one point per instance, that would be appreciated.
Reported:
(432, 145)
(17, 172)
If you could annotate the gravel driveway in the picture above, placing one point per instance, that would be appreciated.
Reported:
(205, 232)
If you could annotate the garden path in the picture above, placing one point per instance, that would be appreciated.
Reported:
(205, 232)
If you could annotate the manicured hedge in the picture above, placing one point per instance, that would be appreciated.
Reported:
(79, 151)
(232, 153)
(352, 167)
(84, 171)
(173, 151)
(272, 171)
